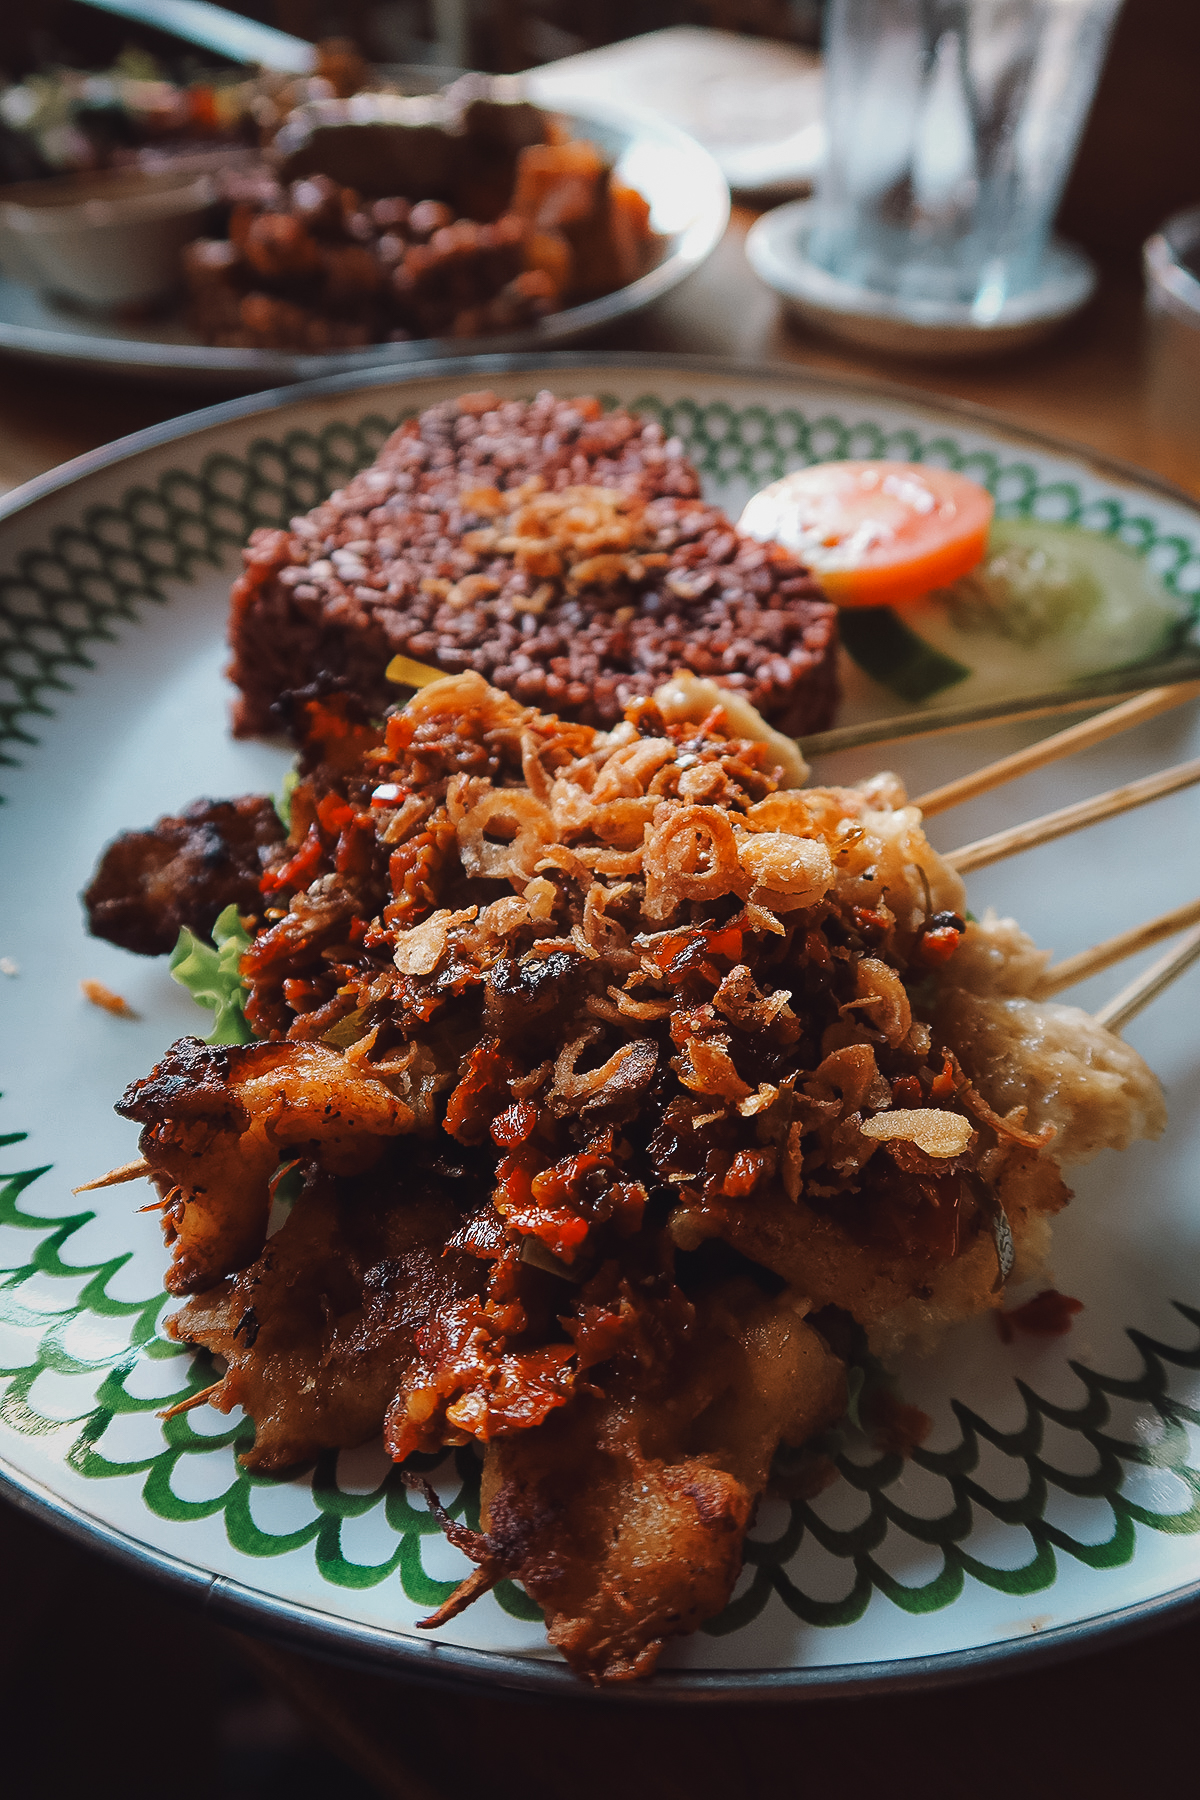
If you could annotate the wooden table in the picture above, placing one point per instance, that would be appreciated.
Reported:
(1097, 382)
(1092, 1725)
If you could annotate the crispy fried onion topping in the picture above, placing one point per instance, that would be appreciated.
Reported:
(691, 855)
(705, 1066)
(419, 951)
(786, 872)
(880, 995)
(501, 833)
(613, 1090)
(932, 1130)
(571, 538)
(628, 771)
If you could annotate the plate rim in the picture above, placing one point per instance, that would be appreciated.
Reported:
(274, 399)
(309, 1628)
(315, 1632)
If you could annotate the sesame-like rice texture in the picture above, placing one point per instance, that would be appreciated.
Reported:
(562, 552)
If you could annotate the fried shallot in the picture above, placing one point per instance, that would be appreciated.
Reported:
(608, 1068)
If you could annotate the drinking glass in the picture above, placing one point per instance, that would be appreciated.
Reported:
(952, 126)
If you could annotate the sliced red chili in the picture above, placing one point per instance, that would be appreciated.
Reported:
(300, 870)
(744, 1173)
(937, 947)
(515, 1124)
(481, 1092)
(334, 813)
(943, 1084)
(1048, 1314)
(683, 953)
(868, 920)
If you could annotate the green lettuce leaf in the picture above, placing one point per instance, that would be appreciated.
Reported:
(283, 805)
(211, 976)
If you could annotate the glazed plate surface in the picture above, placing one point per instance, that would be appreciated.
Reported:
(1058, 1494)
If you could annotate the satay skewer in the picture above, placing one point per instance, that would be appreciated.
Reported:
(130, 1171)
(1147, 987)
(1053, 825)
(948, 721)
(1063, 743)
(1074, 969)
(191, 1403)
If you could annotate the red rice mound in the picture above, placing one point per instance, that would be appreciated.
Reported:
(562, 552)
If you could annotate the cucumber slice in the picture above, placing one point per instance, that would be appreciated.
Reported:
(885, 649)
(1048, 604)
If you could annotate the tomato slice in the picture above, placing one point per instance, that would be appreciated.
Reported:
(875, 533)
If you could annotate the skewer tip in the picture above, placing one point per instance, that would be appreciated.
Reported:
(130, 1171)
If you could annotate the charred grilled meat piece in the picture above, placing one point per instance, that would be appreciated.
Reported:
(184, 870)
(624, 1515)
(218, 1120)
(318, 1331)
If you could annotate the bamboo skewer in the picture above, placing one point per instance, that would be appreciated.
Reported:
(130, 1171)
(946, 721)
(192, 1401)
(1129, 1002)
(1073, 818)
(1063, 743)
(1074, 969)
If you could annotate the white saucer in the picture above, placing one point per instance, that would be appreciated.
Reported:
(929, 328)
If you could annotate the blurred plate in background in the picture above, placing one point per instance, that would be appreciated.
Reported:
(689, 209)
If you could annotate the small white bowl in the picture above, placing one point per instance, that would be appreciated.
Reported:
(777, 251)
(103, 240)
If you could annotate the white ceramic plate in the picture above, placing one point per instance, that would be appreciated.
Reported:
(1059, 1493)
(689, 209)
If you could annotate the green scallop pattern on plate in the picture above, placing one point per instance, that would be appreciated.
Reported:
(777, 1563)
(94, 576)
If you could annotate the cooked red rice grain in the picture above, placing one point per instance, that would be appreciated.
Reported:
(412, 557)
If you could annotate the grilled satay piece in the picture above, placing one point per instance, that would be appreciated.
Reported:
(624, 1515)
(318, 1332)
(219, 1120)
(183, 870)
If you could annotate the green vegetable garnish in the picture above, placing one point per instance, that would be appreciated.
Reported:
(211, 975)
(1049, 605)
(884, 648)
(283, 806)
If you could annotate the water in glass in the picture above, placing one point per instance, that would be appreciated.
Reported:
(952, 126)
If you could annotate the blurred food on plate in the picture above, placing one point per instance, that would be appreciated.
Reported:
(347, 217)
(389, 217)
(137, 112)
